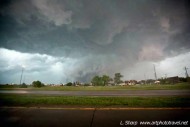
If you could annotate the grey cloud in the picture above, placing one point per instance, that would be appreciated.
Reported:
(53, 11)
(102, 36)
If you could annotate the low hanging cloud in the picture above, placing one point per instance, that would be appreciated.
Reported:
(35, 65)
(43, 65)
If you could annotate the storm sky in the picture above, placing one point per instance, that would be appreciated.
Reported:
(59, 41)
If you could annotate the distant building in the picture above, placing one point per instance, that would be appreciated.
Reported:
(173, 80)
(131, 82)
(157, 82)
(121, 84)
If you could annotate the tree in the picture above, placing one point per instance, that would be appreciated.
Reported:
(117, 78)
(188, 79)
(69, 84)
(162, 80)
(111, 81)
(182, 79)
(97, 81)
(37, 84)
(105, 79)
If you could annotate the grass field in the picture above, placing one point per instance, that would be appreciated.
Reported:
(42, 100)
(179, 86)
(36, 100)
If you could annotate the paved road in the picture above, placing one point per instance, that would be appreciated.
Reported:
(104, 93)
(35, 117)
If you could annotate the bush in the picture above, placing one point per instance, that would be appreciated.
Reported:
(37, 84)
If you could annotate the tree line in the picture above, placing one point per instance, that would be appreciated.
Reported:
(105, 80)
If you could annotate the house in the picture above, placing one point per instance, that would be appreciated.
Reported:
(157, 82)
(131, 82)
(173, 80)
(122, 84)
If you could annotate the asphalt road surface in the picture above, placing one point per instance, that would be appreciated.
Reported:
(37, 117)
(103, 93)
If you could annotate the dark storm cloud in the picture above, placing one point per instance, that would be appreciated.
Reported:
(102, 36)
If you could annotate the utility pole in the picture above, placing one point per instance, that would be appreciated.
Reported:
(186, 73)
(145, 78)
(21, 75)
(155, 72)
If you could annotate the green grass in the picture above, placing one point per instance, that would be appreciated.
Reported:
(179, 86)
(40, 100)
